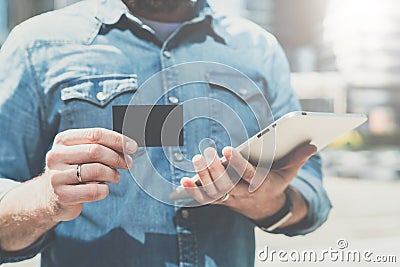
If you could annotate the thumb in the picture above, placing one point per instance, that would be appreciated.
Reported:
(296, 159)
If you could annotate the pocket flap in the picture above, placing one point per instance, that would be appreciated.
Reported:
(242, 87)
(99, 89)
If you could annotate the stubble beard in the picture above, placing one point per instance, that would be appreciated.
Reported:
(154, 6)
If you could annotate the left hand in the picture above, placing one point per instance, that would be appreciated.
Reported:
(257, 204)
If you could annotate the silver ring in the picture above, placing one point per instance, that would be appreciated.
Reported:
(79, 174)
(224, 198)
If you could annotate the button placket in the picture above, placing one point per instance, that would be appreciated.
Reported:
(243, 91)
(167, 54)
(178, 156)
(188, 253)
(185, 214)
(173, 100)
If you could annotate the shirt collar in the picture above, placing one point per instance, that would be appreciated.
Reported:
(110, 12)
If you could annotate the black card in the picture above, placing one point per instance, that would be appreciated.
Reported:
(150, 125)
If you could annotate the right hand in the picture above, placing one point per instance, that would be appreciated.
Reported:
(100, 153)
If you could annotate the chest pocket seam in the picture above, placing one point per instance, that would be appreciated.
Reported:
(243, 92)
(99, 90)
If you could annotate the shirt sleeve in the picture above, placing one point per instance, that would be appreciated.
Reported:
(23, 148)
(309, 179)
(29, 252)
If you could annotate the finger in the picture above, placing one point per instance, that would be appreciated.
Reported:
(297, 158)
(218, 172)
(288, 168)
(91, 153)
(105, 137)
(244, 169)
(82, 193)
(202, 171)
(93, 172)
(195, 192)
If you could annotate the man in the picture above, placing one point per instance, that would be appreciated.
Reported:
(60, 75)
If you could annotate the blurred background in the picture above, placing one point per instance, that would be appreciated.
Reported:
(345, 57)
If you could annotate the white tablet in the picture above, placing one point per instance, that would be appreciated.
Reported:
(287, 133)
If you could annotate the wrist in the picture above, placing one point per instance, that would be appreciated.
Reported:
(27, 214)
(274, 205)
(280, 217)
(34, 198)
(52, 208)
(300, 207)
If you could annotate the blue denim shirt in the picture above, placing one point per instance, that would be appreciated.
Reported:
(52, 69)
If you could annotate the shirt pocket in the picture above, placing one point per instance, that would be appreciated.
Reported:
(245, 102)
(87, 102)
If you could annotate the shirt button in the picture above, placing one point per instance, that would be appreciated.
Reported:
(185, 214)
(173, 100)
(100, 96)
(167, 54)
(178, 156)
(243, 91)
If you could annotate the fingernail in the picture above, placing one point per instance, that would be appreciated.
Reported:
(129, 161)
(184, 180)
(196, 159)
(227, 151)
(131, 147)
(209, 152)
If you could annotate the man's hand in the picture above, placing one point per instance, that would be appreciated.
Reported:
(58, 195)
(256, 204)
(100, 154)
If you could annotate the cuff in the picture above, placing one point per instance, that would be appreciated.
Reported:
(29, 252)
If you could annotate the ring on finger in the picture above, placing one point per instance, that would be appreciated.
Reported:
(79, 173)
(225, 197)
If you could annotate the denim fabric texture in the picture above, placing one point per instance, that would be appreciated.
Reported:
(66, 69)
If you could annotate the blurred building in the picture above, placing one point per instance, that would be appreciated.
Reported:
(20, 10)
(12, 12)
(3, 20)
(298, 26)
(365, 36)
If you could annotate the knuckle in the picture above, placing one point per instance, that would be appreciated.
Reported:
(54, 177)
(214, 168)
(94, 135)
(92, 193)
(119, 162)
(211, 191)
(225, 186)
(248, 177)
(117, 176)
(249, 172)
(61, 196)
(62, 137)
(117, 141)
(51, 158)
(94, 151)
(94, 171)
(59, 139)
(59, 191)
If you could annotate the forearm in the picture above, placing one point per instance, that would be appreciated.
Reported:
(26, 213)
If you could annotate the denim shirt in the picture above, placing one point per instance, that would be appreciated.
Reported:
(67, 68)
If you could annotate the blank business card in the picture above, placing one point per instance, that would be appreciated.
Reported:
(150, 125)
